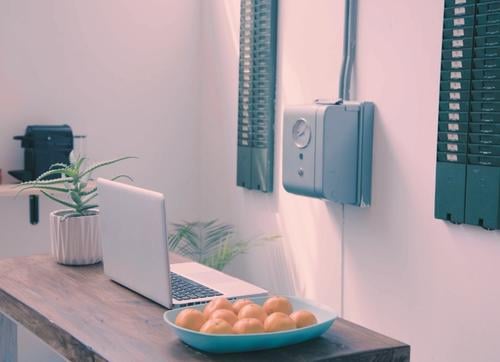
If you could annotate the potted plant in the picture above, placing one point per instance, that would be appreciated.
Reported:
(212, 243)
(75, 236)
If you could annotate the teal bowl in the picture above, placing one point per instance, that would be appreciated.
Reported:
(228, 343)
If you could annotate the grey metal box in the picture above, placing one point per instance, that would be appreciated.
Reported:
(331, 156)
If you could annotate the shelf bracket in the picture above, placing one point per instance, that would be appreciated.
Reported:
(34, 209)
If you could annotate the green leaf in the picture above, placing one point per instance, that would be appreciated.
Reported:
(120, 176)
(75, 197)
(193, 241)
(58, 171)
(56, 181)
(217, 232)
(57, 189)
(211, 243)
(58, 200)
(173, 240)
(88, 199)
(91, 191)
(58, 164)
(191, 238)
(87, 207)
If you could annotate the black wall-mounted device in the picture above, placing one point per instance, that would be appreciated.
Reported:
(43, 146)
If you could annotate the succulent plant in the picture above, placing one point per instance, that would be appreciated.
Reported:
(72, 180)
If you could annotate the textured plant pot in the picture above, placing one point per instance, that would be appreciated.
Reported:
(75, 240)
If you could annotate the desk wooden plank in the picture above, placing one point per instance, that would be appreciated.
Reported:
(85, 316)
(8, 339)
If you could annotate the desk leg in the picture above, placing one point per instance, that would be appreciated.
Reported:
(8, 340)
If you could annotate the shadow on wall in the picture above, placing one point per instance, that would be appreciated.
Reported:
(309, 227)
(253, 213)
(272, 271)
(372, 238)
(384, 182)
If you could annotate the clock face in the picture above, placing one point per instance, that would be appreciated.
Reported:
(301, 133)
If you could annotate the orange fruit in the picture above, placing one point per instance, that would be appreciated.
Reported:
(277, 304)
(240, 303)
(225, 314)
(248, 325)
(303, 318)
(190, 318)
(252, 311)
(217, 303)
(278, 322)
(216, 326)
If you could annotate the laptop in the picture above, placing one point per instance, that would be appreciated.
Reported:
(135, 252)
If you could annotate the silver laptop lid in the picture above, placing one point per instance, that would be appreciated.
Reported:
(134, 239)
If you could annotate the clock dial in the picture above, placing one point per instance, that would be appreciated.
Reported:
(301, 133)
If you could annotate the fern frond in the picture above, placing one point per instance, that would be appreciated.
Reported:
(212, 243)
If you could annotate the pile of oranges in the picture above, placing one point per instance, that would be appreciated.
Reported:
(220, 316)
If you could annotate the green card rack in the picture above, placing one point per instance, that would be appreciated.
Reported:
(468, 142)
(256, 98)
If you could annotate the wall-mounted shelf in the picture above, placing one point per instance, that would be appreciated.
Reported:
(10, 190)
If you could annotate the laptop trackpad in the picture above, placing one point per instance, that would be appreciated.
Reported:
(203, 275)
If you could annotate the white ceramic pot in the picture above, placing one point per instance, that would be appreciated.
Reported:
(75, 240)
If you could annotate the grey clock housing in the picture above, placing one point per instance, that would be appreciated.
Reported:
(336, 164)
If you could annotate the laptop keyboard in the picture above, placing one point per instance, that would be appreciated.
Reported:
(184, 288)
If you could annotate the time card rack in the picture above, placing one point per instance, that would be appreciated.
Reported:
(257, 69)
(468, 142)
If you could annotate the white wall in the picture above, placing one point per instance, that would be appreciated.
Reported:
(123, 72)
(136, 79)
(310, 229)
(406, 274)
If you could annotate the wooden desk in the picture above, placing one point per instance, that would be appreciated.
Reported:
(86, 317)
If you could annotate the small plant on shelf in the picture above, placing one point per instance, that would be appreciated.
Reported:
(212, 243)
(74, 231)
(72, 180)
